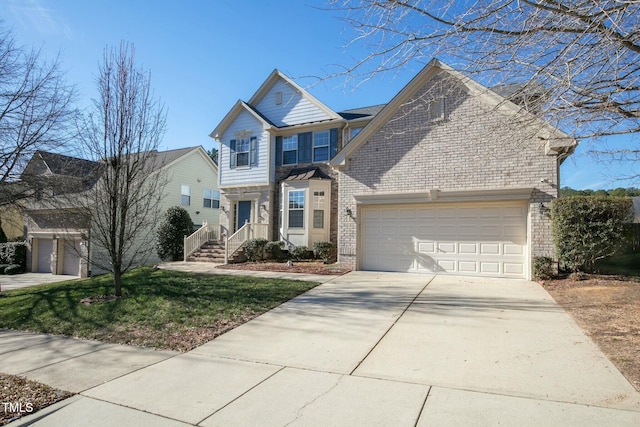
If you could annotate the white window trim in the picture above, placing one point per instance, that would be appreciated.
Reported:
(185, 190)
(327, 145)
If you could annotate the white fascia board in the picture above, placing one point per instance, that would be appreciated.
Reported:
(232, 114)
(435, 195)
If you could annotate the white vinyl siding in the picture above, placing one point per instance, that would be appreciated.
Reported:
(251, 174)
(475, 239)
(292, 110)
(197, 172)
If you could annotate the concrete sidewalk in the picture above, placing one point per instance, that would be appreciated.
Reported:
(362, 349)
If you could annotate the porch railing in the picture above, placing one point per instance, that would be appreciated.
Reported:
(206, 233)
(246, 232)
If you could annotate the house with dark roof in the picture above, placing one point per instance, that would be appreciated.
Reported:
(60, 233)
(449, 177)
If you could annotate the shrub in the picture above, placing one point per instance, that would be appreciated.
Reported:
(300, 253)
(543, 268)
(175, 224)
(254, 250)
(3, 267)
(275, 251)
(3, 236)
(14, 269)
(324, 250)
(14, 253)
(588, 228)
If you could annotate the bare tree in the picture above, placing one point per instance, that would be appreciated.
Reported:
(584, 55)
(123, 132)
(36, 113)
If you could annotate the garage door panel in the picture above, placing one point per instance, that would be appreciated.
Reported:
(511, 249)
(468, 267)
(475, 238)
(468, 248)
(490, 249)
(516, 269)
(447, 247)
(427, 247)
(490, 267)
(447, 265)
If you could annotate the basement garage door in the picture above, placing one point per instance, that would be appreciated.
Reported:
(481, 239)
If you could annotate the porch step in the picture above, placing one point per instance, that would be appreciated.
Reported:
(214, 252)
(209, 252)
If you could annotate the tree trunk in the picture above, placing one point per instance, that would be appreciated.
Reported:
(117, 282)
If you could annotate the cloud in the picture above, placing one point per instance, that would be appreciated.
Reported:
(32, 15)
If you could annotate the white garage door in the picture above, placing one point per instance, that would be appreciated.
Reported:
(488, 239)
(71, 263)
(45, 249)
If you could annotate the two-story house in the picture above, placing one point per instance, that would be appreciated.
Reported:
(448, 177)
(60, 234)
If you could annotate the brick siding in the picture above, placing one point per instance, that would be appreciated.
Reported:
(475, 147)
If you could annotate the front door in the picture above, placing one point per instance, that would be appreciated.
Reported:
(244, 213)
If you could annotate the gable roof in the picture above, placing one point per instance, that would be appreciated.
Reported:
(361, 113)
(59, 164)
(277, 75)
(238, 107)
(263, 90)
(556, 139)
(46, 164)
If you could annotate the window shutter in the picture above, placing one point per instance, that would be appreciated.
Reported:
(232, 153)
(278, 150)
(305, 142)
(333, 143)
(253, 154)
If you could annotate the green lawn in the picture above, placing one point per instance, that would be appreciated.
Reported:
(160, 309)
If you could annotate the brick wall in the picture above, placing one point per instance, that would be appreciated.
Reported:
(475, 147)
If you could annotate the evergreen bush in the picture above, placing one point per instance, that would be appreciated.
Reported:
(254, 250)
(589, 228)
(175, 224)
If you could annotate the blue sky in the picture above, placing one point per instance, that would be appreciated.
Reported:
(205, 55)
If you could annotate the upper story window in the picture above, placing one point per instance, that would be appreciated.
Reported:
(290, 150)
(211, 198)
(321, 146)
(306, 147)
(436, 109)
(355, 131)
(185, 195)
(243, 152)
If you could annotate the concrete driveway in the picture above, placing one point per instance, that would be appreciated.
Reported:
(25, 280)
(378, 349)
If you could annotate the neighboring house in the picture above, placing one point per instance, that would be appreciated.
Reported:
(60, 236)
(448, 177)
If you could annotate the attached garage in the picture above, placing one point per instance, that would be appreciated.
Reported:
(486, 239)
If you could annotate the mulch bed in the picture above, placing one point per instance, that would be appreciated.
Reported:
(308, 267)
(608, 310)
(20, 397)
